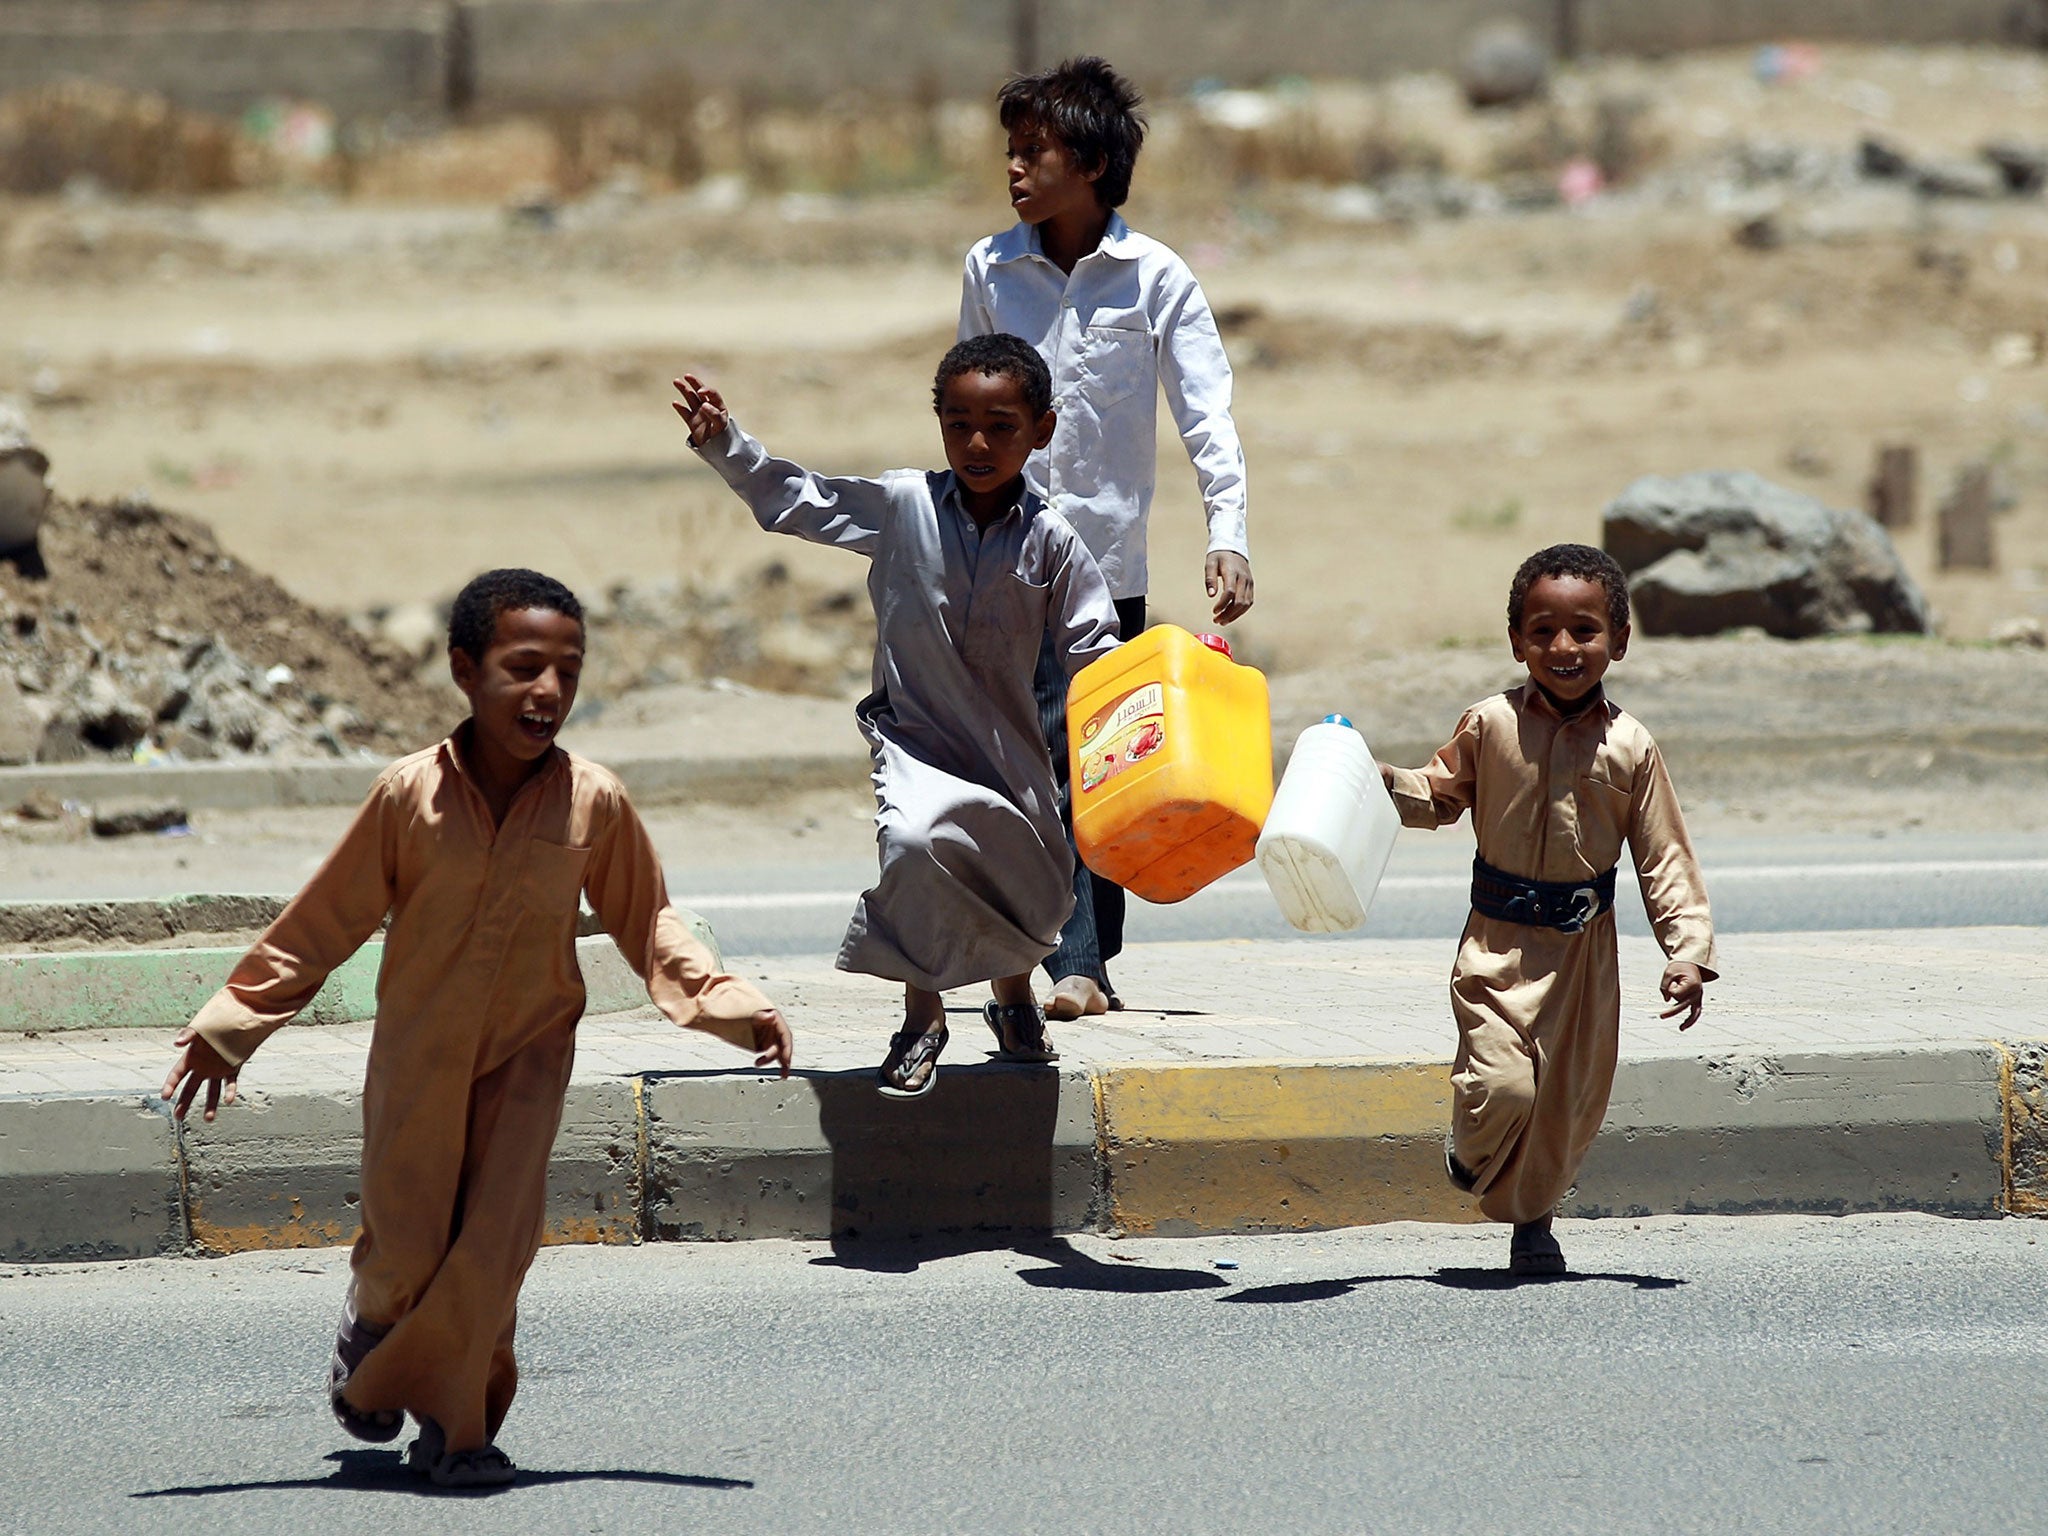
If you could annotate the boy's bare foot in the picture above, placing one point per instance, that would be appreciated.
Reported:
(1073, 996)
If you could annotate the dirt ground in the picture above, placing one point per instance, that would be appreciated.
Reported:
(371, 400)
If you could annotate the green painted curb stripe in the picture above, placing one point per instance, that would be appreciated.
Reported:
(163, 988)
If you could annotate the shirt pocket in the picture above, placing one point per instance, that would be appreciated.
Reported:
(1604, 807)
(1114, 363)
(554, 879)
(1017, 606)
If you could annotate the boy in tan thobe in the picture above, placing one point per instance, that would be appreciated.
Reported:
(1556, 777)
(478, 849)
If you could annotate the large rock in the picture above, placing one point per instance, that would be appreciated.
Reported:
(1727, 549)
(1504, 63)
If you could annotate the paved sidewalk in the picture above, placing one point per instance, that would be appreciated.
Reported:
(1268, 1086)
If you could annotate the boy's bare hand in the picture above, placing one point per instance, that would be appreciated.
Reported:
(1687, 990)
(198, 1062)
(1387, 776)
(1229, 580)
(772, 1043)
(702, 409)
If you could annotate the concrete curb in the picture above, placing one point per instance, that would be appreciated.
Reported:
(263, 785)
(1167, 1148)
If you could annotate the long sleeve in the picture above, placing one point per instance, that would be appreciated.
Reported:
(1439, 794)
(976, 319)
(842, 511)
(1079, 611)
(329, 920)
(1674, 891)
(627, 892)
(1196, 374)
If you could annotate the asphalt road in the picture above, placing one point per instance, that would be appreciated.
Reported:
(1762, 885)
(1868, 1374)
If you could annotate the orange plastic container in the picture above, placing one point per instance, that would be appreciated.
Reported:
(1170, 749)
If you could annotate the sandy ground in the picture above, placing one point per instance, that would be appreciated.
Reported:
(371, 401)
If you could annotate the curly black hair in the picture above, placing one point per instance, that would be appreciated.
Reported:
(1002, 356)
(1094, 111)
(1581, 560)
(474, 619)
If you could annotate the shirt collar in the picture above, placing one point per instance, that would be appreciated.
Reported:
(949, 496)
(1535, 698)
(1021, 240)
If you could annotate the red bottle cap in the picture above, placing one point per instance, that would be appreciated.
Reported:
(1217, 644)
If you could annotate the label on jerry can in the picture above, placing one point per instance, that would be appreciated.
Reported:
(1127, 730)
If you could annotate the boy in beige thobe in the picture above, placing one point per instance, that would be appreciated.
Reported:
(1556, 777)
(478, 849)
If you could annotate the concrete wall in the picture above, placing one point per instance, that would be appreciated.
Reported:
(365, 58)
(371, 56)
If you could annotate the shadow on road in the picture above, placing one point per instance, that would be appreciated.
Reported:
(1069, 1268)
(1451, 1279)
(386, 1472)
(1073, 1270)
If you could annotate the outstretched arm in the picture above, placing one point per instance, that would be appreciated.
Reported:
(322, 926)
(843, 511)
(1439, 794)
(627, 892)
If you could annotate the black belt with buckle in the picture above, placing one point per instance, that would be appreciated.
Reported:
(1558, 904)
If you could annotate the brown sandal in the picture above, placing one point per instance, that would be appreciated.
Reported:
(1020, 1034)
(912, 1065)
(353, 1340)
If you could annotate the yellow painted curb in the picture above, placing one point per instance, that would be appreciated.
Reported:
(1276, 1146)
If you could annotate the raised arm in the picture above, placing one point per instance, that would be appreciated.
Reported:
(627, 892)
(1196, 374)
(842, 511)
(322, 926)
(1439, 794)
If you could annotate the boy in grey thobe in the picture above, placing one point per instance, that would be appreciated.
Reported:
(976, 875)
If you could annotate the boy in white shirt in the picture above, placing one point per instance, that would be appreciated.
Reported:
(1115, 314)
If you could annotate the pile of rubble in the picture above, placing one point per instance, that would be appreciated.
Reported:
(143, 640)
(770, 629)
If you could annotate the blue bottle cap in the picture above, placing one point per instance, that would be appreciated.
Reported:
(1336, 720)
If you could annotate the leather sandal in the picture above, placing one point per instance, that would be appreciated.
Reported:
(353, 1340)
(1020, 1033)
(912, 1065)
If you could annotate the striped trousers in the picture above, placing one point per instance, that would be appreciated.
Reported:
(1094, 935)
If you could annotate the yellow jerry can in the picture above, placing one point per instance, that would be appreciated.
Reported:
(1170, 753)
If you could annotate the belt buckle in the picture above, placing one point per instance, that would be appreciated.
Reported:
(1585, 906)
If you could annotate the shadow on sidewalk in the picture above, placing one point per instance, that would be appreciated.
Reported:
(386, 1472)
(1450, 1279)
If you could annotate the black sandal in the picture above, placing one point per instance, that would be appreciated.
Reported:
(1020, 1034)
(912, 1065)
(484, 1467)
(353, 1340)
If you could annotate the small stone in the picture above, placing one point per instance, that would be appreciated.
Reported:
(1877, 159)
(40, 805)
(21, 723)
(127, 818)
(1959, 178)
(2024, 167)
(2021, 634)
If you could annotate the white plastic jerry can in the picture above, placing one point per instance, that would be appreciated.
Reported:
(1331, 830)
